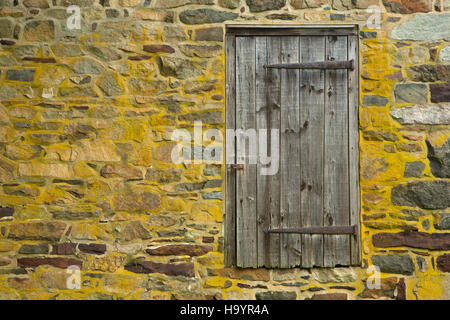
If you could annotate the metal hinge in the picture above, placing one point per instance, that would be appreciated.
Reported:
(350, 64)
(318, 230)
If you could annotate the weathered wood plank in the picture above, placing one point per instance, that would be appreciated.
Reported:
(261, 179)
(336, 195)
(353, 123)
(290, 217)
(246, 179)
(312, 100)
(230, 181)
(273, 114)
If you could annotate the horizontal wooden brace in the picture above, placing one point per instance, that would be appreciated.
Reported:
(350, 64)
(318, 230)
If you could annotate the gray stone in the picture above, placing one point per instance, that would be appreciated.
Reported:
(276, 295)
(424, 194)
(176, 67)
(213, 195)
(6, 28)
(109, 85)
(209, 34)
(445, 54)
(439, 158)
(411, 92)
(25, 75)
(173, 33)
(87, 65)
(444, 222)
(375, 101)
(419, 114)
(399, 264)
(34, 249)
(414, 169)
(201, 16)
(104, 53)
(264, 5)
(424, 27)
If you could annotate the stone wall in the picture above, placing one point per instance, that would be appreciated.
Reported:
(86, 177)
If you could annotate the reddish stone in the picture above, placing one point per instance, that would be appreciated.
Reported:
(401, 289)
(6, 212)
(155, 48)
(443, 262)
(93, 248)
(182, 269)
(440, 92)
(241, 274)
(208, 239)
(64, 248)
(329, 296)
(40, 60)
(138, 58)
(407, 6)
(180, 250)
(413, 239)
(7, 42)
(55, 262)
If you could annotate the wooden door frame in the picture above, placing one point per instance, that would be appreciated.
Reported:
(233, 30)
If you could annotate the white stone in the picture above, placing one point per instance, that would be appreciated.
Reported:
(445, 54)
(335, 275)
(419, 114)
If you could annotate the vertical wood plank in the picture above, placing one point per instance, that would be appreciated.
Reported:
(353, 94)
(246, 178)
(312, 100)
(273, 114)
(336, 195)
(230, 180)
(290, 217)
(262, 211)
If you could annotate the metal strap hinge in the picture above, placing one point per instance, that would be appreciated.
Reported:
(317, 230)
(350, 64)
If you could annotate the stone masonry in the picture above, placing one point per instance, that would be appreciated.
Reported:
(85, 168)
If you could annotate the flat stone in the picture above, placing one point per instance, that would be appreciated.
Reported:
(439, 157)
(174, 33)
(424, 194)
(154, 15)
(72, 215)
(387, 289)
(429, 73)
(400, 264)
(34, 249)
(155, 48)
(264, 5)
(411, 92)
(67, 248)
(422, 114)
(39, 31)
(413, 239)
(424, 27)
(181, 269)
(97, 151)
(443, 222)
(41, 4)
(209, 34)
(230, 4)
(57, 170)
(408, 6)
(120, 170)
(329, 296)
(92, 248)
(414, 169)
(276, 295)
(178, 68)
(24, 75)
(203, 16)
(87, 65)
(179, 250)
(6, 28)
(440, 92)
(66, 50)
(334, 275)
(372, 135)
(200, 51)
(241, 274)
(110, 86)
(168, 4)
(135, 200)
(51, 231)
(163, 175)
(305, 4)
(62, 263)
(103, 53)
(281, 16)
(6, 212)
(372, 100)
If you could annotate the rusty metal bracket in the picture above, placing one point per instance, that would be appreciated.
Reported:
(236, 166)
(350, 64)
(318, 230)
